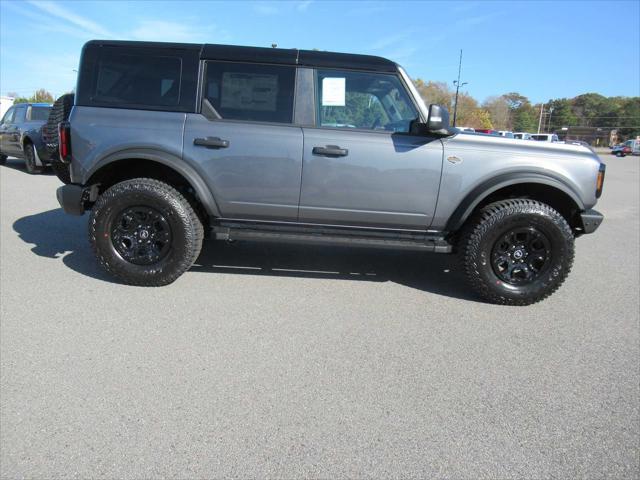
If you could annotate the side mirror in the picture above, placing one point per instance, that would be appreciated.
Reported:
(437, 122)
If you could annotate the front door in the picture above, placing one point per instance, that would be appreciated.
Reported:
(5, 132)
(245, 144)
(360, 165)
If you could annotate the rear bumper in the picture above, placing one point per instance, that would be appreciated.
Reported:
(71, 198)
(591, 220)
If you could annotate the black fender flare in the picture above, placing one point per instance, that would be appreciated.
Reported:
(482, 191)
(167, 159)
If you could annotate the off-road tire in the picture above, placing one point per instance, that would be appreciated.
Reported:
(30, 159)
(61, 171)
(489, 224)
(185, 226)
(3, 159)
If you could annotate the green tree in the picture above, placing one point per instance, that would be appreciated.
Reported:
(39, 96)
(435, 92)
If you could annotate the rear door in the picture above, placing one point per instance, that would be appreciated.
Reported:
(361, 167)
(244, 141)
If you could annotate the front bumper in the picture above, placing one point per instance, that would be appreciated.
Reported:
(72, 198)
(591, 220)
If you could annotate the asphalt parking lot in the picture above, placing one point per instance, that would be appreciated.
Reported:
(284, 361)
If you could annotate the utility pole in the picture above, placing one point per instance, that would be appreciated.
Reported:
(549, 123)
(540, 121)
(458, 85)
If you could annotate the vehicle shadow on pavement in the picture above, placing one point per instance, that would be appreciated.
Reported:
(430, 272)
(54, 234)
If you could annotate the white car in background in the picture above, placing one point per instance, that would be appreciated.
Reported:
(466, 129)
(522, 135)
(544, 137)
(506, 134)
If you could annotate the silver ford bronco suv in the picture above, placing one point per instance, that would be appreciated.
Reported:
(169, 142)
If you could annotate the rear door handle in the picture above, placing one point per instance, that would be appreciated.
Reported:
(211, 142)
(330, 151)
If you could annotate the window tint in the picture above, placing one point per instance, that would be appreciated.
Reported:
(8, 117)
(21, 113)
(243, 91)
(371, 101)
(40, 113)
(131, 79)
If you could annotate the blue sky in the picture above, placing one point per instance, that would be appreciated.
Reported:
(541, 49)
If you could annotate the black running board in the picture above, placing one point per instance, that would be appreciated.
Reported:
(332, 236)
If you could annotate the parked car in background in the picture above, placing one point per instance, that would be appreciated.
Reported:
(505, 134)
(488, 131)
(21, 134)
(630, 147)
(466, 129)
(522, 136)
(544, 137)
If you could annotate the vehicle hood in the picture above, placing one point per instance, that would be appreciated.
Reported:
(488, 143)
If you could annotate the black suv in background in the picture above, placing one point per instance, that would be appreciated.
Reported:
(21, 134)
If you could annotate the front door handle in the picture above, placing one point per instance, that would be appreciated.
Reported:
(211, 142)
(330, 151)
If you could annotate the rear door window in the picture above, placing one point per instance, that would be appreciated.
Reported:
(251, 92)
(40, 113)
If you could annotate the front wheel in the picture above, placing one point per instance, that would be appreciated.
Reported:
(145, 232)
(517, 252)
(3, 159)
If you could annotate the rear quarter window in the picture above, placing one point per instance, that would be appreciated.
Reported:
(145, 78)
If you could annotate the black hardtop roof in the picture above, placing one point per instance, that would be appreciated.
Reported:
(292, 56)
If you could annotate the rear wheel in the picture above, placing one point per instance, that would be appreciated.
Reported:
(517, 252)
(3, 159)
(61, 171)
(145, 232)
(30, 159)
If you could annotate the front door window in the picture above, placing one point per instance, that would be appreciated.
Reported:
(364, 101)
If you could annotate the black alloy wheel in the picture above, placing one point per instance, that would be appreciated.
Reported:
(521, 255)
(141, 235)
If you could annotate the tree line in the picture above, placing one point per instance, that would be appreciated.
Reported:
(514, 112)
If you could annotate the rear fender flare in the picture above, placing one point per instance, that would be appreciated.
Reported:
(169, 160)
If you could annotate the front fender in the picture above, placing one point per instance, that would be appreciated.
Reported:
(482, 191)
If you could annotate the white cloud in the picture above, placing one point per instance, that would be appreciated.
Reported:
(476, 20)
(303, 5)
(168, 31)
(265, 9)
(385, 42)
(73, 19)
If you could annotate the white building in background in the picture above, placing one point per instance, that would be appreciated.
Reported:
(5, 103)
